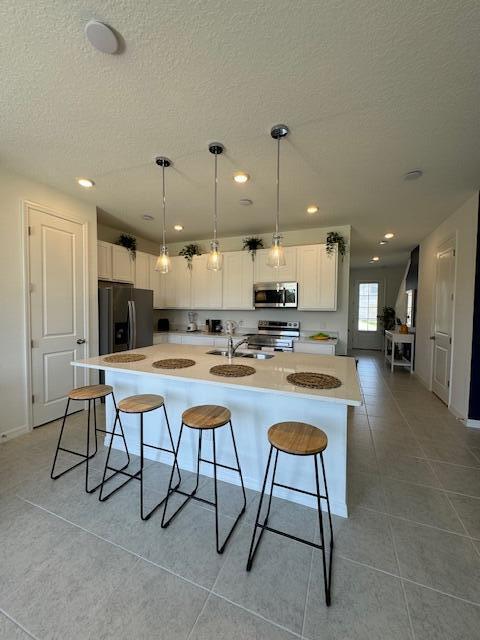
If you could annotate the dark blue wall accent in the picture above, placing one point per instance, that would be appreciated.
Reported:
(474, 400)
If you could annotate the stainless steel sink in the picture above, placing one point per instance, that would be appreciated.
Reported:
(241, 354)
(258, 356)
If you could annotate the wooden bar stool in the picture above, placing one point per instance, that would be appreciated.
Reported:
(88, 394)
(297, 439)
(206, 417)
(140, 404)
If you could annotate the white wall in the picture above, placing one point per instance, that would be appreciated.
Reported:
(13, 382)
(461, 225)
(310, 320)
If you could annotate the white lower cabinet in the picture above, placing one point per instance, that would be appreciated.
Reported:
(315, 348)
(206, 285)
(317, 278)
(160, 338)
(201, 341)
(288, 273)
(237, 280)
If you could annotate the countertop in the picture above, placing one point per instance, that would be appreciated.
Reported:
(270, 375)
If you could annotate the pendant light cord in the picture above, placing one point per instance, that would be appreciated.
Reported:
(215, 202)
(164, 204)
(277, 217)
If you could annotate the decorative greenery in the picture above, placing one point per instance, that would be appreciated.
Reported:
(387, 318)
(252, 243)
(188, 251)
(334, 238)
(129, 242)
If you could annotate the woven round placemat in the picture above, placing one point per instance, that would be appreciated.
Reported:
(314, 380)
(232, 370)
(125, 357)
(173, 363)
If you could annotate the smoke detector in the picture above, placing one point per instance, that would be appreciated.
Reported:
(101, 37)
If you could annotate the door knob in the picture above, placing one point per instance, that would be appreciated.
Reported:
(432, 337)
(81, 341)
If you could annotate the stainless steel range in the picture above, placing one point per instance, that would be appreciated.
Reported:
(274, 334)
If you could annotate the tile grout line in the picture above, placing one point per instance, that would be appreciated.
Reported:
(308, 591)
(17, 624)
(392, 537)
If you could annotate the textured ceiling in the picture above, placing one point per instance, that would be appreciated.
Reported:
(370, 88)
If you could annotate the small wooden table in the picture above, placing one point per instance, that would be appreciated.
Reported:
(395, 337)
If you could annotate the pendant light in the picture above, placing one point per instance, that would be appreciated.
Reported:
(163, 264)
(276, 255)
(215, 258)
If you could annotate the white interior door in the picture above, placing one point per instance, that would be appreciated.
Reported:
(366, 328)
(57, 308)
(442, 333)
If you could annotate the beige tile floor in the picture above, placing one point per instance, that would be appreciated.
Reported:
(406, 565)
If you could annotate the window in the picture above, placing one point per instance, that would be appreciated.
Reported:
(368, 306)
(409, 308)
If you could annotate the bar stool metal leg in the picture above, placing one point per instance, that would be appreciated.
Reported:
(326, 579)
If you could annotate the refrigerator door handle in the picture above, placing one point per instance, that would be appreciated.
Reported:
(132, 325)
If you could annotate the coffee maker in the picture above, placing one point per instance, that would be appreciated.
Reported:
(214, 326)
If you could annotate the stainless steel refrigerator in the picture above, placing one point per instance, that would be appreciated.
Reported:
(125, 317)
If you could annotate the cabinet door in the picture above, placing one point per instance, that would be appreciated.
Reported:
(202, 341)
(183, 280)
(318, 349)
(206, 285)
(104, 267)
(328, 278)
(237, 280)
(123, 266)
(160, 338)
(142, 270)
(308, 277)
(288, 273)
(157, 284)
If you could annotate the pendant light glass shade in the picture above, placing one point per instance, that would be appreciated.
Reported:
(163, 264)
(215, 258)
(276, 255)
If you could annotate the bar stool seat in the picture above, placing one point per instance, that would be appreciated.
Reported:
(141, 404)
(206, 416)
(91, 392)
(297, 438)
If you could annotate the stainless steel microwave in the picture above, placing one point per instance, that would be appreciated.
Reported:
(276, 294)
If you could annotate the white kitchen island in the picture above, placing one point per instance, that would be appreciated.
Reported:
(256, 402)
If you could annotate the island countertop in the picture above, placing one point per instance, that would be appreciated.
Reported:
(270, 375)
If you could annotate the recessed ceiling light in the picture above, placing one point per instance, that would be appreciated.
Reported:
(148, 216)
(241, 177)
(246, 202)
(388, 236)
(312, 208)
(101, 36)
(178, 227)
(383, 242)
(375, 259)
(413, 175)
(86, 182)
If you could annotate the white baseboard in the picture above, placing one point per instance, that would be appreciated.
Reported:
(14, 433)
(474, 424)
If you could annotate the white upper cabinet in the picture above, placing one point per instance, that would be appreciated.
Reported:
(157, 284)
(206, 285)
(317, 278)
(237, 280)
(123, 267)
(104, 251)
(264, 273)
(142, 270)
(177, 284)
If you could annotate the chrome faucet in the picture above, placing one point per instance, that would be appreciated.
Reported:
(233, 348)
